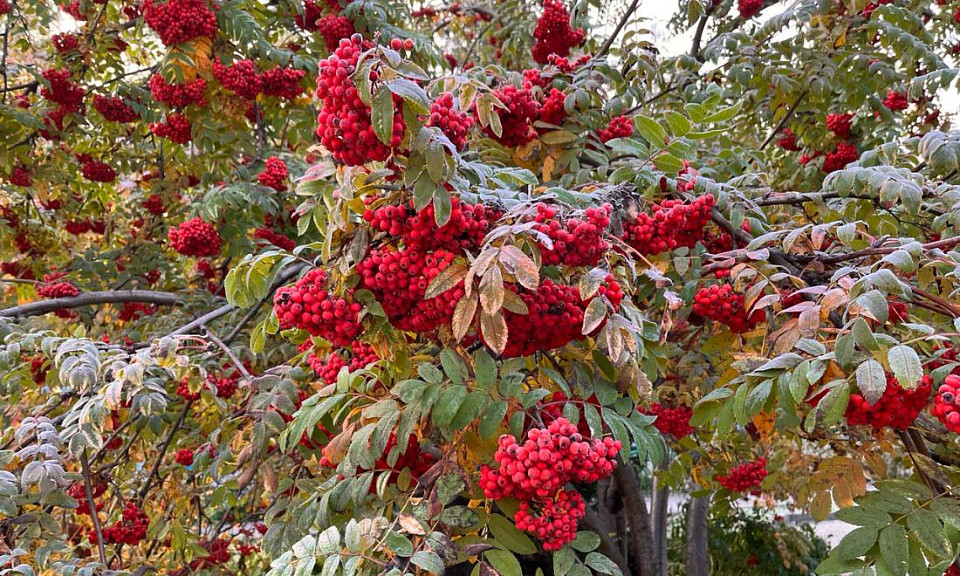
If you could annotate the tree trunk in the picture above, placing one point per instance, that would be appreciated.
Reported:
(697, 556)
(661, 497)
(638, 520)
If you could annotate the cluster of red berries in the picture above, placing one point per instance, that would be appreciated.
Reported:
(553, 32)
(465, 229)
(183, 390)
(897, 408)
(361, 356)
(671, 224)
(745, 477)
(309, 306)
(671, 421)
(53, 287)
(95, 170)
(517, 119)
(20, 176)
(723, 242)
(552, 109)
(788, 141)
(65, 42)
(536, 471)
(399, 280)
(274, 174)
(114, 109)
(896, 101)
(4, 7)
(275, 238)
(62, 91)
(226, 385)
(176, 21)
(184, 457)
(311, 13)
(78, 227)
(842, 155)
(840, 124)
(178, 95)
(946, 406)
(282, 82)
(897, 312)
(241, 77)
(576, 241)
(130, 529)
(195, 237)
(78, 492)
(334, 28)
(135, 310)
(176, 128)
(344, 125)
(452, 122)
(619, 127)
(721, 303)
(154, 205)
(749, 8)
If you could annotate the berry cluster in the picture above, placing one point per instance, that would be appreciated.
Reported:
(78, 227)
(361, 356)
(308, 305)
(20, 176)
(130, 529)
(183, 390)
(275, 238)
(177, 129)
(842, 155)
(452, 122)
(114, 109)
(536, 472)
(576, 241)
(177, 21)
(749, 8)
(788, 141)
(619, 127)
(62, 91)
(53, 287)
(896, 101)
(344, 125)
(241, 77)
(178, 95)
(897, 311)
(226, 385)
(745, 477)
(334, 28)
(517, 119)
(897, 408)
(78, 492)
(840, 124)
(399, 280)
(946, 405)
(671, 421)
(417, 460)
(311, 13)
(154, 205)
(95, 170)
(63, 43)
(671, 224)
(465, 229)
(135, 310)
(721, 303)
(274, 174)
(184, 457)
(195, 237)
(552, 110)
(282, 82)
(553, 32)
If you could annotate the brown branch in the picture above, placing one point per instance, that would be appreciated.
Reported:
(226, 350)
(641, 537)
(616, 31)
(698, 36)
(163, 450)
(88, 488)
(92, 298)
(785, 119)
(879, 251)
(940, 302)
(607, 546)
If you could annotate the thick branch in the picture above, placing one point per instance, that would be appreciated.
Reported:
(607, 546)
(641, 537)
(163, 450)
(698, 36)
(88, 488)
(91, 298)
(882, 250)
(616, 31)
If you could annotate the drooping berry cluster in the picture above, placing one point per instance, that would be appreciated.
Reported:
(274, 174)
(576, 241)
(897, 311)
(536, 472)
(62, 91)
(334, 28)
(135, 310)
(344, 124)
(178, 95)
(671, 224)
(465, 229)
(553, 32)
(840, 124)
(721, 303)
(452, 122)
(946, 406)
(788, 141)
(226, 385)
(361, 356)
(671, 421)
(522, 110)
(78, 492)
(842, 155)
(130, 529)
(20, 176)
(177, 21)
(275, 238)
(308, 305)
(95, 170)
(183, 390)
(154, 205)
(311, 13)
(114, 109)
(749, 8)
(65, 42)
(746, 477)
(195, 237)
(897, 408)
(619, 127)
(184, 457)
(240, 77)
(896, 101)
(78, 227)
(552, 110)
(176, 128)
(282, 82)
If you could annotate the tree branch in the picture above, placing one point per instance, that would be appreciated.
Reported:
(91, 298)
(785, 119)
(616, 31)
(637, 517)
(163, 450)
(698, 36)
(88, 488)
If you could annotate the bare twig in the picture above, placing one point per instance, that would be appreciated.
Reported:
(88, 488)
(226, 350)
(163, 450)
(616, 31)
(785, 119)
(698, 36)
(91, 298)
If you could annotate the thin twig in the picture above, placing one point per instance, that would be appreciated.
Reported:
(226, 350)
(616, 31)
(88, 488)
(785, 119)
(163, 450)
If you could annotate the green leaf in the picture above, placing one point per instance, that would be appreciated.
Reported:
(381, 115)
(679, 125)
(724, 114)
(563, 560)
(905, 365)
(602, 564)
(442, 206)
(668, 163)
(447, 405)
(428, 560)
(857, 543)
(894, 549)
(453, 366)
(925, 525)
(491, 418)
(508, 535)
(503, 562)
(860, 516)
(651, 131)
(586, 542)
(485, 368)
(871, 380)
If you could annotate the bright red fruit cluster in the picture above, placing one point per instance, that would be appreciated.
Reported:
(344, 125)
(154, 205)
(226, 385)
(183, 390)
(522, 110)
(333, 29)
(177, 95)
(896, 101)
(788, 141)
(452, 122)
(840, 124)
(55, 288)
(241, 77)
(749, 8)
(576, 241)
(184, 457)
(946, 405)
(275, 238)
(20, 176)
(552, 110)
(176, 129)
(361, 356)
(671, 421)
(897, 408)
(465, 230)
(671, 224)
(842, 155)
(417, 460)
(95, 170)
(721, 303)
(282, 82)
(65, 42)
(78, 492)
(274, 174)
(130, 530)
(134, 310)
(619, 127)
(195, 237)
(539, 468)
(553, 32)
(745, 477)
(176, 21)
(114, 109)
(62, 91)
(309, 306)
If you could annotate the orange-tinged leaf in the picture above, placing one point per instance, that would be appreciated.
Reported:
(463, 315)
(491, 290)
(494, 328)
(450, 277)
(594, 314)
